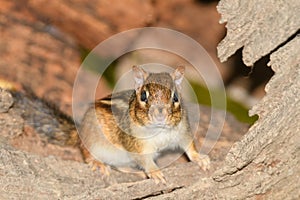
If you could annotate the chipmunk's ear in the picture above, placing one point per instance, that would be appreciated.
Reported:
(178, 74)
(140, 76)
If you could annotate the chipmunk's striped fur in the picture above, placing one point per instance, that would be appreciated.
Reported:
(132, 127)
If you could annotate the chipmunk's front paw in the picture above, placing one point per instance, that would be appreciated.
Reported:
(157, 176)
(203, 161)
(105, 170)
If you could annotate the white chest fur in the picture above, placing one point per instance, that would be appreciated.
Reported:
(157, 138)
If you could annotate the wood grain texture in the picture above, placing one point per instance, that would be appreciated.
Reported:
(257, 26)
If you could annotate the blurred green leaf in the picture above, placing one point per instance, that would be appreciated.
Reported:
(237, 109)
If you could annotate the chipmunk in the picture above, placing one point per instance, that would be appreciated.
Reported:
(131, 128)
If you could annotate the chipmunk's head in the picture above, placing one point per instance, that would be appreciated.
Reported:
(157, 102)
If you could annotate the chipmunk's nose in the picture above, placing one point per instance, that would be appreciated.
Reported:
(159, 114)
(160, 110)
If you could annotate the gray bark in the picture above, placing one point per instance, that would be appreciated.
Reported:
(257, 26)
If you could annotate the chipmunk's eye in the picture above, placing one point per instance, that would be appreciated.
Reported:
(143, 96)
(175, 97)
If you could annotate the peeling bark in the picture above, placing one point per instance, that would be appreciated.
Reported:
(257, 26)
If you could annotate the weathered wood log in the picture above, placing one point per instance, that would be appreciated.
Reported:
(264, 164)
(257, 26)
